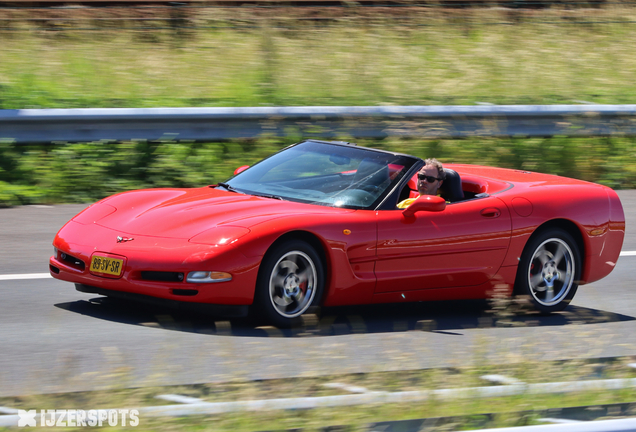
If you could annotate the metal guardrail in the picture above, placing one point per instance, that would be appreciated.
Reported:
(189, 406)
(214, 124)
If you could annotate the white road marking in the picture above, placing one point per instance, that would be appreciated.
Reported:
(25, 276)
(10, 277)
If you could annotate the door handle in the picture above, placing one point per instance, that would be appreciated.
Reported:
(491, 212)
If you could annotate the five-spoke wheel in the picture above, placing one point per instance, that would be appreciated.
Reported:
(292, 284)
(290, 281)
(549, 270)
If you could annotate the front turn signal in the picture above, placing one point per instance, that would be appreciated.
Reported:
(208, 277)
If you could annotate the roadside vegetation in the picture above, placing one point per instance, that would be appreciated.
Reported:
(82, 173)
(424, 57)
(446, 414)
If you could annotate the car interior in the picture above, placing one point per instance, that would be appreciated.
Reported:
(457, 188)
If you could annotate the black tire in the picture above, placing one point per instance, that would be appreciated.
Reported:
(290, 282)
(549, 270)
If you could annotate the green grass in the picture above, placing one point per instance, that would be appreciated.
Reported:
(438, 56)
(469, 412)
(434, 58)
(65, 173)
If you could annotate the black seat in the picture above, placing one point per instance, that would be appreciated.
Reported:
(451, 188)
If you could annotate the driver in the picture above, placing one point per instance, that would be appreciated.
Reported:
(429, 180)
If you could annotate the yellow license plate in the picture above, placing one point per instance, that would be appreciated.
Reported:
(106, 265)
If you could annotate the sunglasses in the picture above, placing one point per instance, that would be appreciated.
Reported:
(429, 179)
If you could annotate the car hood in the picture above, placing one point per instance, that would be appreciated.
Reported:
(184, 213)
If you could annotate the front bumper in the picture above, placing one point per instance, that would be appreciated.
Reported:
(153, 254)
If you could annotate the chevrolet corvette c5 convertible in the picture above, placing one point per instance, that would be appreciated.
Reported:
(317, 224)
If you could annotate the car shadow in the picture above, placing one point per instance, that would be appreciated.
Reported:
(444, 317)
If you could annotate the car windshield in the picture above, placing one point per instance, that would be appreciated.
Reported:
(326, 174)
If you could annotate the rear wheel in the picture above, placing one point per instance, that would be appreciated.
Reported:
(549, 270)
(290, 282)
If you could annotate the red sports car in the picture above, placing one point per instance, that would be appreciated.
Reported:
(317, 224)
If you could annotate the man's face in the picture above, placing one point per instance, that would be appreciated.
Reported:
(424, 187)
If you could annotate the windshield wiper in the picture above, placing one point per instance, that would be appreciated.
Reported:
(232, 189)
(269, 196)
(226, 186)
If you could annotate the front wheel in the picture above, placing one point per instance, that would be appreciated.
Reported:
(290, 281)
(549, 270)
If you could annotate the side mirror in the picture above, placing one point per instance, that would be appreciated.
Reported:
(431, 203)
(241, 169)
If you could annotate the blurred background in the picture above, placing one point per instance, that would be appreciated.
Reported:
(200, 54)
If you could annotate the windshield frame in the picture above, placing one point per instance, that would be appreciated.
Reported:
(408, 163)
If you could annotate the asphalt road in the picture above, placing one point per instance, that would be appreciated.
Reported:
(55, 339)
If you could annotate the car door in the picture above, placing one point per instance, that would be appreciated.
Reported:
(463, 245)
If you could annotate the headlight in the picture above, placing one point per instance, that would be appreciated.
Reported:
(208, 277)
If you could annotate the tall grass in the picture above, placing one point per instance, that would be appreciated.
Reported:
(460, 58)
